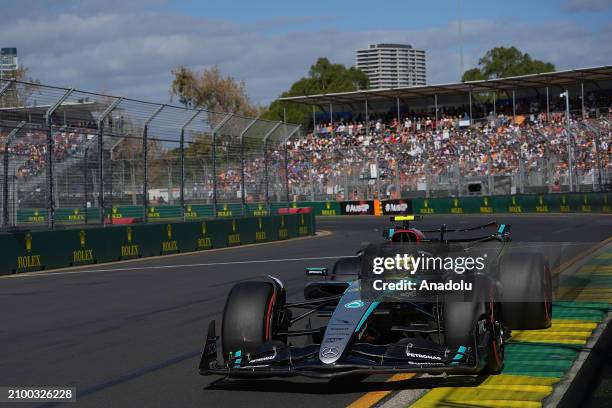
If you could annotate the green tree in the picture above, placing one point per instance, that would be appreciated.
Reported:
(503, 62)
(16, 94)
(215, 92)
(323, 77)
(473, 74)
(211, 90)
(19, 74)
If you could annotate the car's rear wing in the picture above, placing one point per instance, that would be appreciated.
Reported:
(503, 230)
(444, 228)
(406, 218)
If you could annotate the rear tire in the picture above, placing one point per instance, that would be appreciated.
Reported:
(526, 291)
(247, 317)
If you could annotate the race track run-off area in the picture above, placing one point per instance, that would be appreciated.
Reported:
(130, 334)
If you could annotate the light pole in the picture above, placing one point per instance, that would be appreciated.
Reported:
(569, 140)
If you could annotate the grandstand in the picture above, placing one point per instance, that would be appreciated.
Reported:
(78, 150)
(498, 136)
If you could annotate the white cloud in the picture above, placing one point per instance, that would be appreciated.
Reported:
(131, 53)
(586, 5)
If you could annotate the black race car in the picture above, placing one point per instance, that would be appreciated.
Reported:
(360, 334)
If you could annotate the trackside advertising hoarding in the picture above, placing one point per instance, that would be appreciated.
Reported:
(30, 250)
(514, 204)
(357, 207)
(397, 207)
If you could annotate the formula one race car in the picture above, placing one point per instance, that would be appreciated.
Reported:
(361, 335)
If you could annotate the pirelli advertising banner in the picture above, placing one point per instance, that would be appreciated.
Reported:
(357, 207)
(27, 251)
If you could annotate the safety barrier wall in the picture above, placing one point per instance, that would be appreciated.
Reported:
(162, 212)
(542, 203)
(517, 204)
(522, 203)
(35, 250)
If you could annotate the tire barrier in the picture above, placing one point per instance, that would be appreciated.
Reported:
(25, 251)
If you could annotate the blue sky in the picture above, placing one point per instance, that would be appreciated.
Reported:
(354, 15)
(130, 47)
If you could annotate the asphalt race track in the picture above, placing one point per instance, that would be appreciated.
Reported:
(130, 334)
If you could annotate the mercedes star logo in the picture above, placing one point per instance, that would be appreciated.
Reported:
(329, 352)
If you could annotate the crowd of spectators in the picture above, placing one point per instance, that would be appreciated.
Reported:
(404, 152)
(401, 154)
(29, 150)
(419, 147)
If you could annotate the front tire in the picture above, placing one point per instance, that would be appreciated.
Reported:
(248, 317)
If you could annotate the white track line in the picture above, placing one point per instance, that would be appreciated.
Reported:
(40, 274)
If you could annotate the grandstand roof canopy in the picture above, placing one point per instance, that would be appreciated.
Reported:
(75, 110)
(559, 79)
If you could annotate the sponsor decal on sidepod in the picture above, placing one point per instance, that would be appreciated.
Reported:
(354, 304)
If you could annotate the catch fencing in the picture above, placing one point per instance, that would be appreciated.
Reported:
(70, 156)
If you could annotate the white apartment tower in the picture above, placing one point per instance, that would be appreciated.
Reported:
(8, 59)
(392, 65)
(8, 62)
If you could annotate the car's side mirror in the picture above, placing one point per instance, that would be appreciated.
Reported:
(316, 271)
(504, 232)
(388, 233)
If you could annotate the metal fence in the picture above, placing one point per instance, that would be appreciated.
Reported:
(67, 150)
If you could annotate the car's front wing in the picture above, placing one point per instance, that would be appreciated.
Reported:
(277, 360)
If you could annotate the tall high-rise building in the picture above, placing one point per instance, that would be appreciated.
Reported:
(8, 61)
(392, 65)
